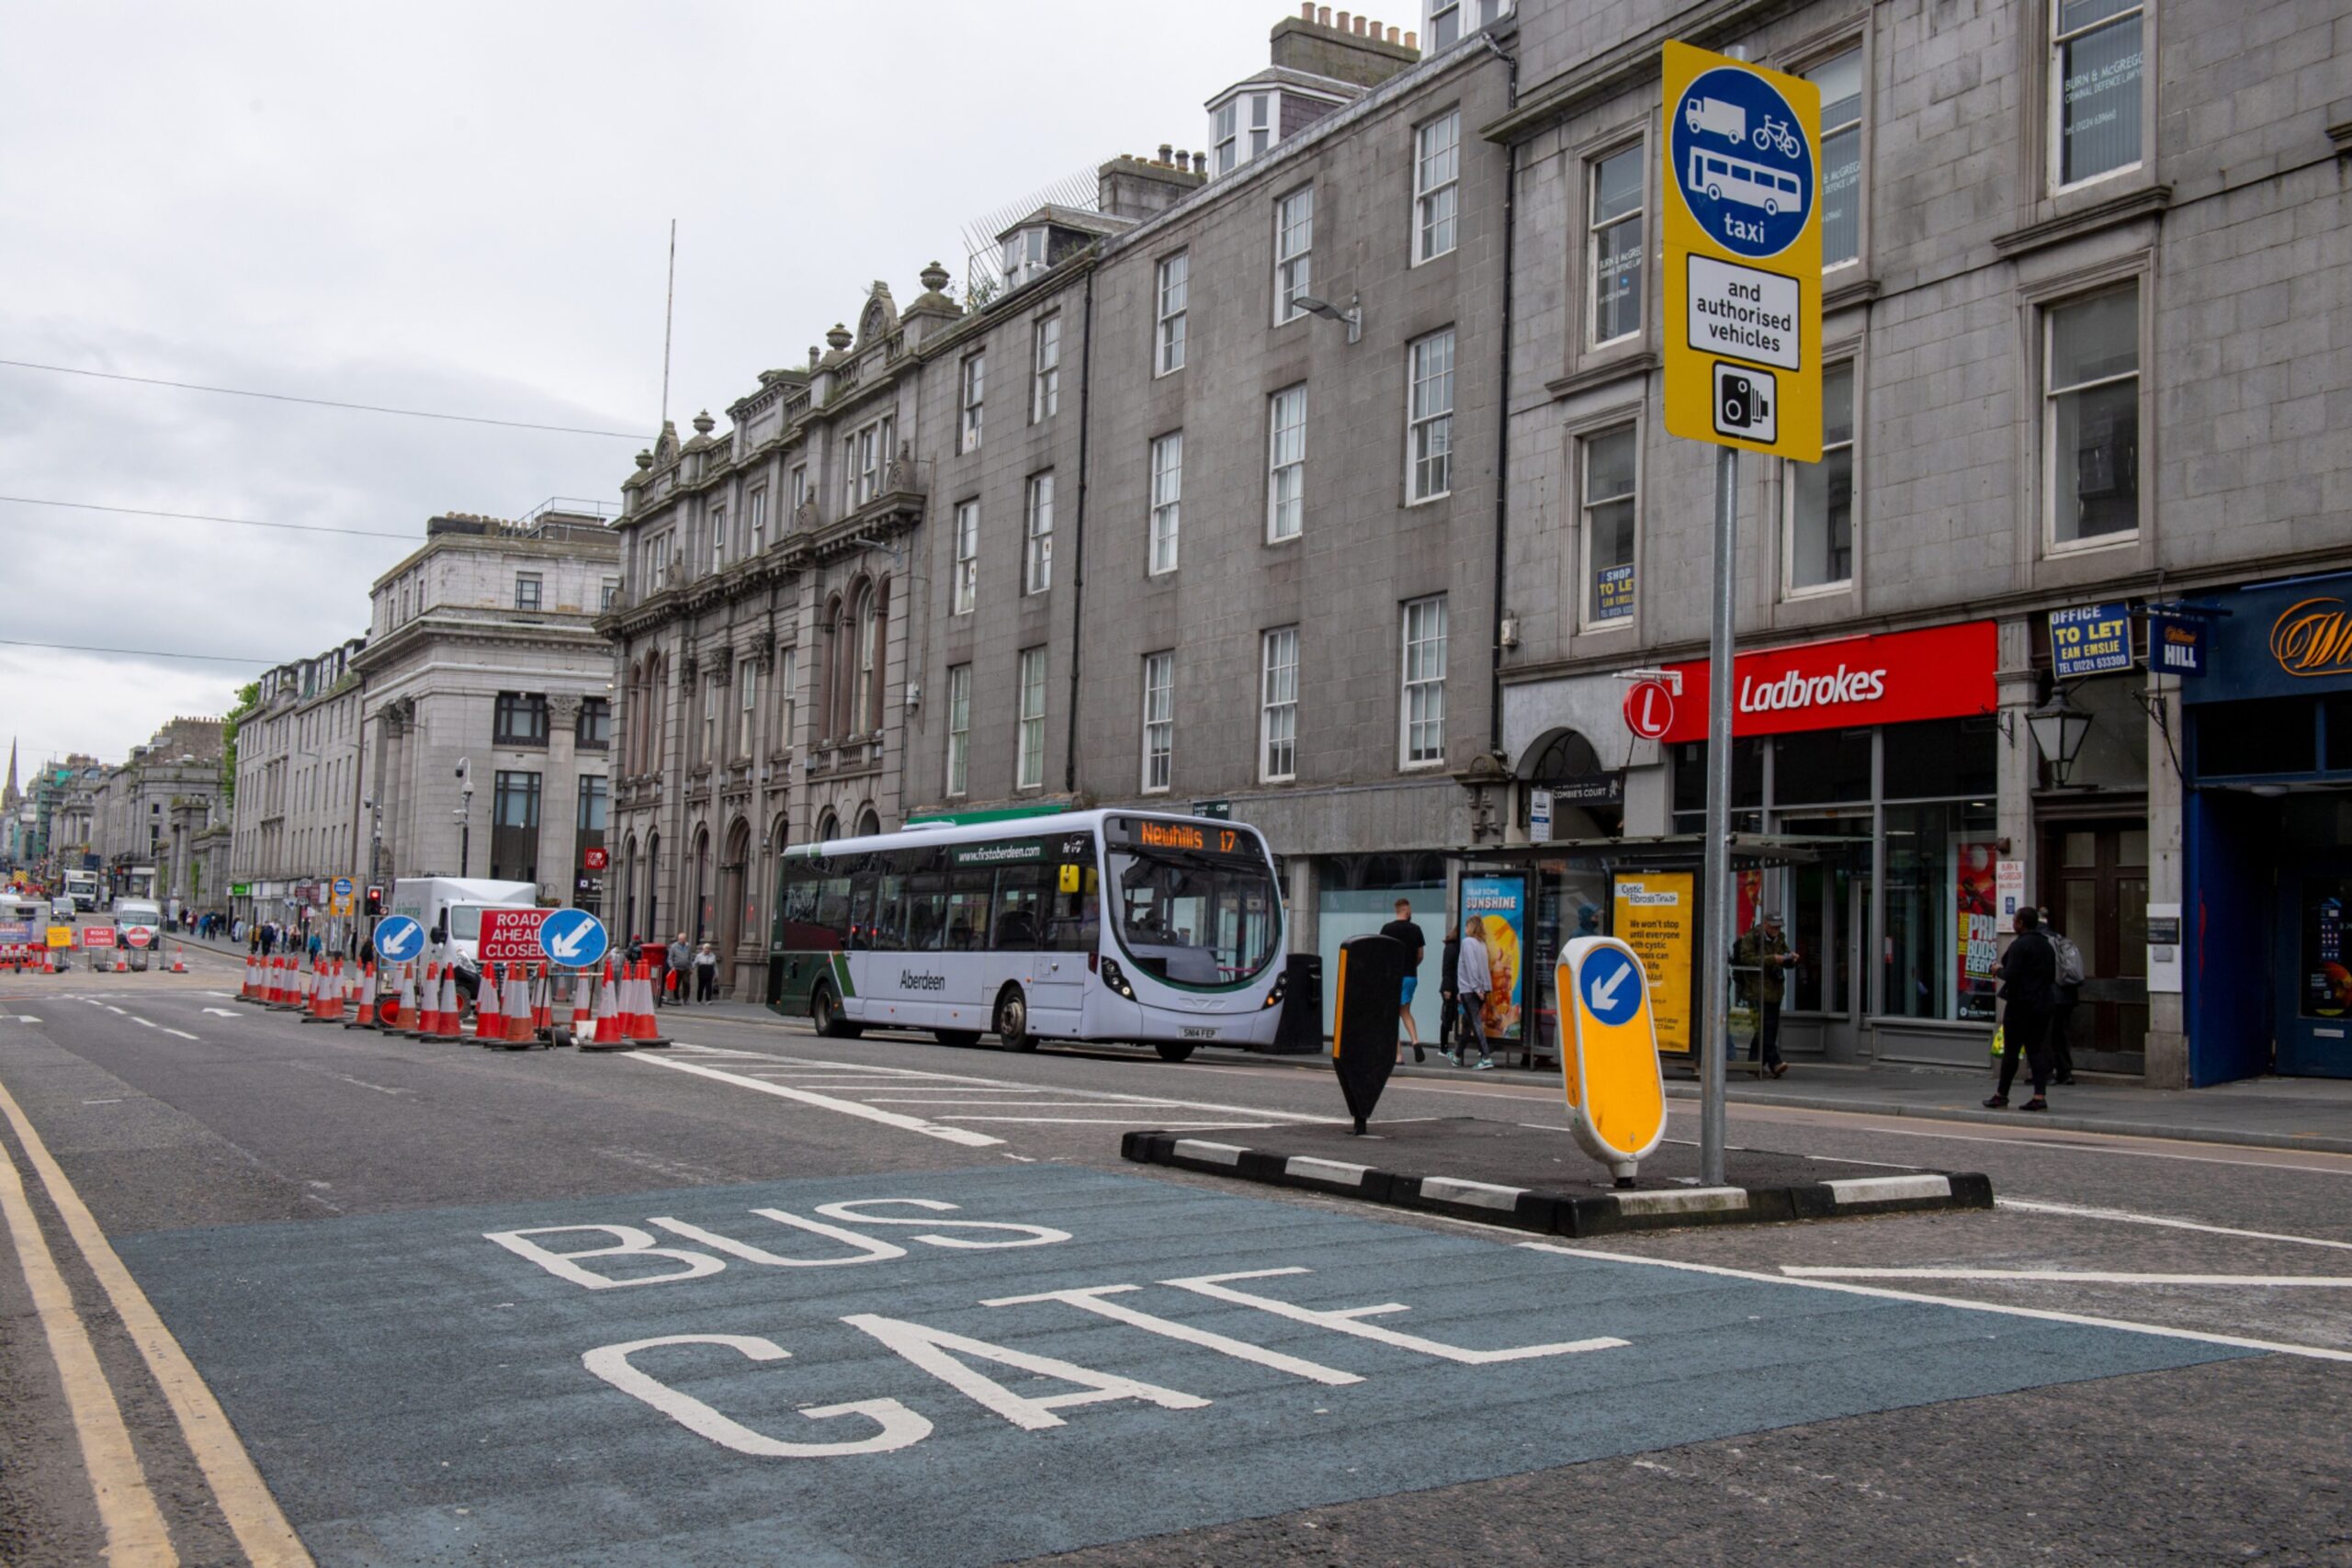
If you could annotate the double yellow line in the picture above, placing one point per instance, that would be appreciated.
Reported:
(136, 1534)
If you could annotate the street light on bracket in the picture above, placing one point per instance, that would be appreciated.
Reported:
(465, 815)
(1351, 318)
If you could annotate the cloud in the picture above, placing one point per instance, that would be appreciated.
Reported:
(463, 207)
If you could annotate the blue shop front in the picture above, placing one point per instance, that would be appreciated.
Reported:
(2267, 834)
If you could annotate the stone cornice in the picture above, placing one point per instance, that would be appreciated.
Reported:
(2145, 201)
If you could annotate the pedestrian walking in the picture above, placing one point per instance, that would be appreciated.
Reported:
(1448, 993)
(1765, 952)
(2070, 991)
(679, 960)
(1473, 975)
(1406, 935)
(705, 973)
(2028, 976)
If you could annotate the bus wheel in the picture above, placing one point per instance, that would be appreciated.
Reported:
(961, 1038)
(1013, 1021)
(826, 1014)
(1173, 1051)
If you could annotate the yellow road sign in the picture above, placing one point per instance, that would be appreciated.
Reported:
(1743, 255)
(1609, 1066)
(61, 936)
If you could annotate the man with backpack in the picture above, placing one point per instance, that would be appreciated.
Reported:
(2070, 991)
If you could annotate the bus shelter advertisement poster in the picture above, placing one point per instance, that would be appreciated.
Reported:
(1975, 869)
(1496, 907)
(1654, 918)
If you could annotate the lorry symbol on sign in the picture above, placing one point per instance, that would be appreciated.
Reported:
(1726, 121)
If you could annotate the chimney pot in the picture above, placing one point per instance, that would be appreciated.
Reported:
(1359, 27)
(1200, 162)
(1165, 149)
(1343, 23)
(1392, 35)
(1322, 15)
(1413, 42)
(1307, 10)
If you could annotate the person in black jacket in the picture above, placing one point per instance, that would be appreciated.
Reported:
(2029, 975)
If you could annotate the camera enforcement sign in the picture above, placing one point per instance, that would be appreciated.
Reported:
(1743, 256)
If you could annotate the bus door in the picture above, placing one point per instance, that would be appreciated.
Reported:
(1070, 930)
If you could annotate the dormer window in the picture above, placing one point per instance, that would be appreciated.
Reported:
(1244, 127)
(1225, 135)
(1025, 255)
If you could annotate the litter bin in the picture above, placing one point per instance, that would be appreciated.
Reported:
(1300, 1032)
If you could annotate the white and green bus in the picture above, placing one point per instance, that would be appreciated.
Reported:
(1111, 926)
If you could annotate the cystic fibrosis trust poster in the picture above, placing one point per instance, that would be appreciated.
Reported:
(1497, 905)
(1653, 916)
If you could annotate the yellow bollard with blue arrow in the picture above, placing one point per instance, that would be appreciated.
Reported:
(1609, 1066)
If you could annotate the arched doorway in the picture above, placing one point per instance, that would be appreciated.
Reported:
(651, 930)
(736, 919)
(869, 823)
(1587, 798)
(629, 891)
(698, 881)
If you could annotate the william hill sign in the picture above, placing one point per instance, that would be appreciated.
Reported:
(2281, 639)
(2313, 636)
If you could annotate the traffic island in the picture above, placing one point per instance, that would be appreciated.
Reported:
(1538, 1179)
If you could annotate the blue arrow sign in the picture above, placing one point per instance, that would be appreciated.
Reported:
(1612, 983)
(573, 938)
(399, 939)
(1744, 162)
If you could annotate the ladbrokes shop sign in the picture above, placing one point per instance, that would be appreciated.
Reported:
(1897, 678)
(2282, 640)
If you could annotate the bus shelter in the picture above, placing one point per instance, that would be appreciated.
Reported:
(1649, 893)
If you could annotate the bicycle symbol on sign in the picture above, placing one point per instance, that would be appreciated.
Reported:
(1778, 135)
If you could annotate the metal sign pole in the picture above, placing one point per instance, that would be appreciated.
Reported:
(1714, 949)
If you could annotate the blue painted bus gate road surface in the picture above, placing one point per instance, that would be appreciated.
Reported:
(966, 1367)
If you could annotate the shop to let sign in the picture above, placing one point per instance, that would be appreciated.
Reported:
(1656, 916)
(1743, 256)
(1612, 593)
(2092, 640)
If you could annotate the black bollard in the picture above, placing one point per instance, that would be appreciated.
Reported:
(1369, 991)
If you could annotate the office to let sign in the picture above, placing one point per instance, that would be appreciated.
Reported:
(2092, 640)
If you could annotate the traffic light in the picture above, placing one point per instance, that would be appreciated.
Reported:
(375, 902)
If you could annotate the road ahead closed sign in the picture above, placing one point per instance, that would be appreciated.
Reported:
(512, 936)
(1743, 256)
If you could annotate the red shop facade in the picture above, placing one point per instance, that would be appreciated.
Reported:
(1885, 749)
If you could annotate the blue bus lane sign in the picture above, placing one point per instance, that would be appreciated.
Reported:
(398, 939)
(573, 938)
(837, 1369)
(1742, 269)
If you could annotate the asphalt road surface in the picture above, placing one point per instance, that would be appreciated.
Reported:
(279, 1292)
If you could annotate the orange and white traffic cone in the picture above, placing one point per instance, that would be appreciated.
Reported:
(322, 1008)
(489, 1009)
(515, 1007)
(179, 959)
(606, 1030)
(453, 1006)
(582, 1020)
(397, 1010)
(648, 1031)
(366, 1017)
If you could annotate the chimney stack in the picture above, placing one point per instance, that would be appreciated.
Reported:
(1166, 148)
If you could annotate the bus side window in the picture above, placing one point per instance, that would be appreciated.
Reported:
(926, 912)
(833, 909)
(1020, 898)
(861, 913)
(969, 892)
(890, 914)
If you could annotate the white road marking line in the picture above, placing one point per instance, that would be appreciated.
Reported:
(133, 1523)
(1155, 1121)
(1106, 1100)
(2071, 1277)
(1964, 1303)
(181, 1033)
(2124, 1216)
(1018, 1104)
(253, 1515)
(116, 1100)
(142, 1022)
(964, 1135)
(221, 1012)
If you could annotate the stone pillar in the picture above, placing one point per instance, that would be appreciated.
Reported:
(2016, 688)
(1303, 932)
(2166, 1065)
(560, 800)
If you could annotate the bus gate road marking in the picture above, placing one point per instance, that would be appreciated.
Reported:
(964, 1135)
(833, 1368)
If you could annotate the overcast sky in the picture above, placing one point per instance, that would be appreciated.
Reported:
(462, 207)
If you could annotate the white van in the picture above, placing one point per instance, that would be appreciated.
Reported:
(449, 908)
(140, 915)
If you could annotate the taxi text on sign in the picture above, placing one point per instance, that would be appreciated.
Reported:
(1742, 324)
(1609, 1066)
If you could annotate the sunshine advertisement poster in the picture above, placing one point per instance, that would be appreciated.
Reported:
(1497, 908)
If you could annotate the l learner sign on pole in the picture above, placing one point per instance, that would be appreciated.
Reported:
(1743, 256)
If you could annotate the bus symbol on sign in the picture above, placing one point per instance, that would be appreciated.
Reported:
(1743, 161)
